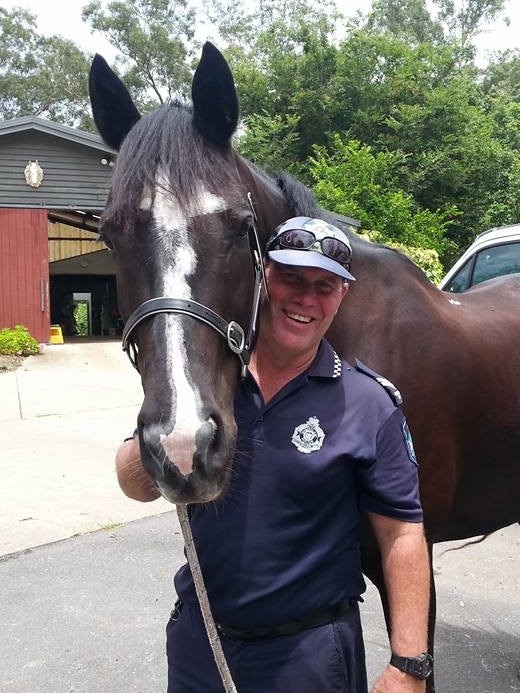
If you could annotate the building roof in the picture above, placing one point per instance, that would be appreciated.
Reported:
(88, 139)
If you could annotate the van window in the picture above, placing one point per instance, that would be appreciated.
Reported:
(496, 261)
(460, 281)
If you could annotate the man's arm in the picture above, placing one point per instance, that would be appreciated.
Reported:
(407, 578)
(134, 480)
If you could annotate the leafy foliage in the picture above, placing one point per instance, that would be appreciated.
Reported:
(81, 319)
(351, 179)
(152, 37)
(425, 258)
(45, 77)
(18, 341)
(272, 142)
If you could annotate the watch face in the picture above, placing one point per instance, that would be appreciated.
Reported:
(423, 666)
(420, 667)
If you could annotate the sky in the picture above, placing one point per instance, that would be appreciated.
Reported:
(64, 18)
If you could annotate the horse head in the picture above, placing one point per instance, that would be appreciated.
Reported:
(184, 221)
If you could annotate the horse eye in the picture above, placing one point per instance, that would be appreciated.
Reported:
(245, 228)
(104, 239)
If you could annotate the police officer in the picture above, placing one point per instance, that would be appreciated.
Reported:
(320, 442)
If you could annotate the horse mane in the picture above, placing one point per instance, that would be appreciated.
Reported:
(165, 144)
(299, 198)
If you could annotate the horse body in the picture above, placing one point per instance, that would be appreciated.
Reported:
(456, 362)
(179, 218)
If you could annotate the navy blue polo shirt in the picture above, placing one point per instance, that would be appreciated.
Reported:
(283, 541)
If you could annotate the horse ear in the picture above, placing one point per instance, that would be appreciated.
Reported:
(215, 100)
(112, 107)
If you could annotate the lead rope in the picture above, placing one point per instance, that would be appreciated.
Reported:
(202, 595)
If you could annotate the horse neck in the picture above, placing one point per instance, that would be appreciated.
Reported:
(389, 296)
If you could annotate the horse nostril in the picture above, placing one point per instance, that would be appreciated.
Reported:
(205, 437)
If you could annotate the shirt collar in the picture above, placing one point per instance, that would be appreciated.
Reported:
(327, 364)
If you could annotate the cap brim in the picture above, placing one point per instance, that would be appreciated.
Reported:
(309, 258)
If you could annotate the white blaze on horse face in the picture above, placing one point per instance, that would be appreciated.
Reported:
(179, 263)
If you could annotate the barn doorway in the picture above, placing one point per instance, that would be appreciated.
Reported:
(98, 295)
(83, 294)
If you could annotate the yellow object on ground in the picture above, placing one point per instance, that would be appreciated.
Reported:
(56, 335)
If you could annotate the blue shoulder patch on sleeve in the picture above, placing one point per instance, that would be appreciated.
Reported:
(394, 393)
(409, 442)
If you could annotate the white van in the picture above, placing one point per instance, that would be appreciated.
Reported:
(492, 254)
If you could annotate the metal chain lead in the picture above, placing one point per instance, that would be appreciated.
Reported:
(200, 588)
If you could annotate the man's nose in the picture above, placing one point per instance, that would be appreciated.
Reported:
(307, 290)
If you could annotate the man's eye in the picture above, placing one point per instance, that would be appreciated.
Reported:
(292, 278)
(325, 288)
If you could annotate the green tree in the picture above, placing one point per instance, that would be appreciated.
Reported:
(455, 23)
(502, 75)
(419, 101)
(271, 142)
(352, 179)
(243, 25)
(465, 21)
(41, 76)
(154, 39)
(405, 19)
(283, 59)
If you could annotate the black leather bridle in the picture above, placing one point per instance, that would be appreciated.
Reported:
(238, 341)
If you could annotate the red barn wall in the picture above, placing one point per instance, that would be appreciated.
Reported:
(24, 271)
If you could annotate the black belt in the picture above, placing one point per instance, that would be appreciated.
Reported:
(291, 627)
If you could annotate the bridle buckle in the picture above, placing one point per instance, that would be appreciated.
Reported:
(236, 338)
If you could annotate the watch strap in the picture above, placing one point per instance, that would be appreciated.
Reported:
(420, 667)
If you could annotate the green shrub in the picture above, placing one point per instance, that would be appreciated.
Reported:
(425, 258)
(81, 319)
(18, 341)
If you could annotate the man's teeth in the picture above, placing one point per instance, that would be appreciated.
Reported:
(300, 318)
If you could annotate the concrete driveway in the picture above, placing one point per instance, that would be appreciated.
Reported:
(62, 416)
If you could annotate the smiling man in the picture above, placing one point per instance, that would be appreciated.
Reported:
(307, 278)
(320, 443)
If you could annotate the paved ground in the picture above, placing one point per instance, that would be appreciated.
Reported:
(62, 416)
(85, 610)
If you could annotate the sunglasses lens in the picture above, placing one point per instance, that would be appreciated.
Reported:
(297, 240)
(336, 250)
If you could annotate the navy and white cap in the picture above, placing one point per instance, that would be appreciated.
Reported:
(313, 243)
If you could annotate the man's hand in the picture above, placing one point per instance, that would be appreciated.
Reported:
(134, 480)
(394, 681)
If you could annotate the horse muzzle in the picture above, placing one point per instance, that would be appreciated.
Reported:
(189, 466)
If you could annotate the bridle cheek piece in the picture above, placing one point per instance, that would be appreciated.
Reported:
(232, 332)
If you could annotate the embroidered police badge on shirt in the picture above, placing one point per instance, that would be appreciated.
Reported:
(409, 443)
(309, 436)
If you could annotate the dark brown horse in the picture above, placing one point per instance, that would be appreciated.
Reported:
(184, 218)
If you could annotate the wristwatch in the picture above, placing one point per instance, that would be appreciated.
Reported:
(420, 667)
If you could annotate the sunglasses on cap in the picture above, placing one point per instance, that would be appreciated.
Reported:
(317, 240)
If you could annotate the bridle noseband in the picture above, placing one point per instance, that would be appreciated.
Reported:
(237, 340)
